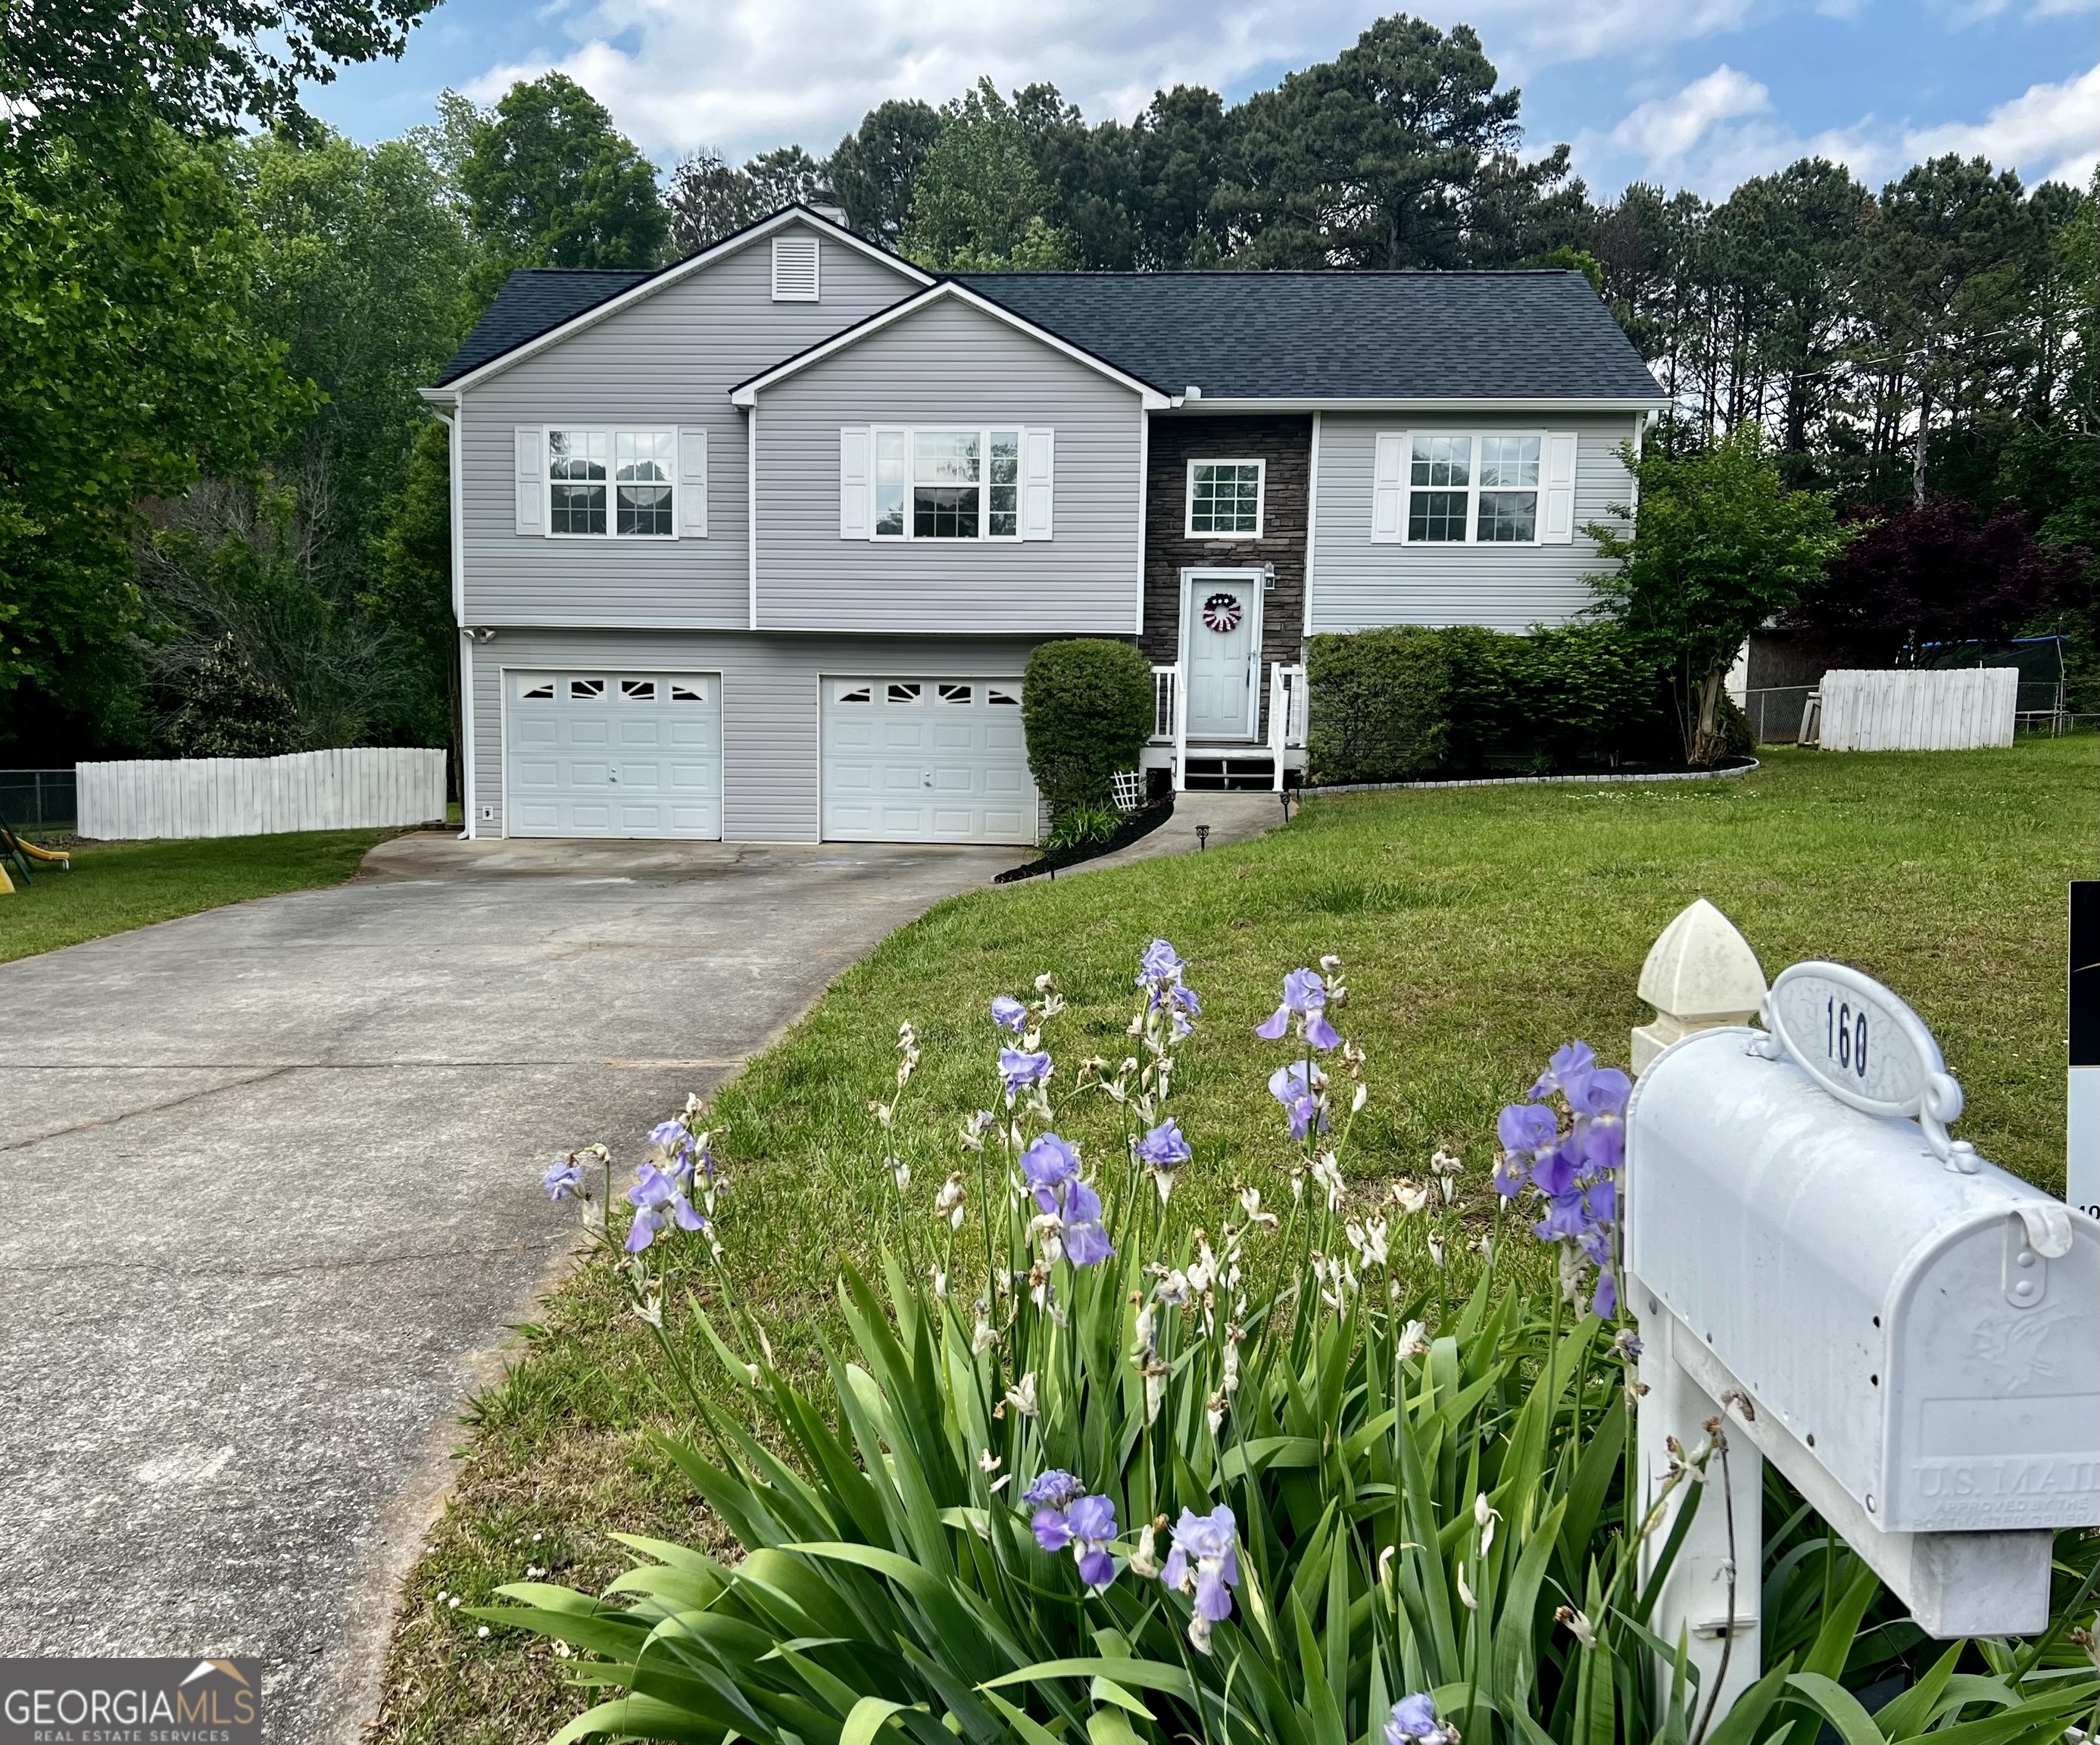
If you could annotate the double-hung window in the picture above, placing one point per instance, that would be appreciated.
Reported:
(1225, 499)
(944, 482)
(577, 482)
(1434, 488)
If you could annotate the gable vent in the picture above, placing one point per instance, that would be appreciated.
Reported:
(795, 269)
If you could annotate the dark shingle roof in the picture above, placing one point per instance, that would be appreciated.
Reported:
(1339, 335)
(534, 300)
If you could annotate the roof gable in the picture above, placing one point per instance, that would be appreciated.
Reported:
(539, 306)
(1341, 336)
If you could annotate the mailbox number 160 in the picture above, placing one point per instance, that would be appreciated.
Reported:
(1844, 1035)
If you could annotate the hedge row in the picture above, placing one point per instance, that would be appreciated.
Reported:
(1393, 704)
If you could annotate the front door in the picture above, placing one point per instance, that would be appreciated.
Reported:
(1220, 630)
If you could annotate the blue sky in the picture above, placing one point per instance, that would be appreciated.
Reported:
(1690, 93)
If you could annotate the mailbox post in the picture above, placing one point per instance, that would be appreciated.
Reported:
(1910, 1334)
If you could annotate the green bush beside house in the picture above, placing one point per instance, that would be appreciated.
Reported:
(1087, 705)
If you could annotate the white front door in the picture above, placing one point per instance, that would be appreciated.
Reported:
(611, 753)
(925, 760)
(1220, 630)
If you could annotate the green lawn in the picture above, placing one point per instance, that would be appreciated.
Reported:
(115, 886)
(1480, 927)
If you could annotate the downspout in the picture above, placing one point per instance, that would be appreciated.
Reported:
(455, 474)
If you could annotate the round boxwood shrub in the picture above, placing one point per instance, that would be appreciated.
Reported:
(1087, 705)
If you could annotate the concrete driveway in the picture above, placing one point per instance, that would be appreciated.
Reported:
(271, 1176)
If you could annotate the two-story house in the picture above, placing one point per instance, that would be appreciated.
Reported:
(758, 545)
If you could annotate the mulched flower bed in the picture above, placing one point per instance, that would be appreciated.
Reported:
(1138, 825)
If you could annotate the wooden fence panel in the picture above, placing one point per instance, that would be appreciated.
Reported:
(348, 789)
(1953, 709)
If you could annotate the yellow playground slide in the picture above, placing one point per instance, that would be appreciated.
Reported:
(22, 853)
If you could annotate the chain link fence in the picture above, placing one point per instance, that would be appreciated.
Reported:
(38, 802)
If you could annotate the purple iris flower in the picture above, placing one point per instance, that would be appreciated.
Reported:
(1164, 1147)
(1413, 1721)
(1048, 1164)
(1092, 1523)
(657, 1203)
(1555, 1173)
(1297, 1091)
(1603, 1200)
(1159, 964)
(1306, 994)
(1056, 1489)
(1527, 1127)
(565, 1178)
(1603, 1091)
(1604, 1300)
(668, 1136)
(1568, 1072)
(1565, 1218)
(1510, 1176)
(1205, 1561)
(1009, 1013)
(1603, 1142)
(1021, 1069)
(1086, 1241)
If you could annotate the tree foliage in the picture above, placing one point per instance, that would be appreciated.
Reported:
(411, 598)
(874, 170)
(978, 203)
(1721, 549)
(708, 200)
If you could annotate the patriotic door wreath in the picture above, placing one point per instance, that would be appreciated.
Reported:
(1221, 612)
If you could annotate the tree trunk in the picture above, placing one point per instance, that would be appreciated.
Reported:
(1918, 444)
(1709, 744)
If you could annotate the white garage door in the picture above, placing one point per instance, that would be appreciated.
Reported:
(614, 754)
(924, 760)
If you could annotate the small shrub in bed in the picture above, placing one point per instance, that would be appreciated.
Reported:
(1087, 705)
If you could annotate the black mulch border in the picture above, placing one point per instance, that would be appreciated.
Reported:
(1133, 828)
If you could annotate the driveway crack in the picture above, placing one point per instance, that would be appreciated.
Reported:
(150, 1108)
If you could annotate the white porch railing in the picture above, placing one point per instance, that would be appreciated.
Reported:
(1286, 716)
(1287, 713)
(1166, 697)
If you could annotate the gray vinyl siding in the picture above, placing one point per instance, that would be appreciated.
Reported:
(670, 358)
(770, 749)
(1357, 585)
(949, 364)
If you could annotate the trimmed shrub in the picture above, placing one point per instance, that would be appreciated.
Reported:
(1087, 705)
(1393, 704)
(1380, 703)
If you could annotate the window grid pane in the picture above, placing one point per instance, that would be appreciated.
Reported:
(938, 513)
(1436, 516)
(579, 508)
(1507, 460)
(1445, 461)
(892, 469)
(1225, 498)
(1003, 493)
(645, 510)
(943, 457)
(1507, 515)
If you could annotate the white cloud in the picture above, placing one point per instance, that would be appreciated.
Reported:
(1722, 129)
(2048, 131)
(744, 75)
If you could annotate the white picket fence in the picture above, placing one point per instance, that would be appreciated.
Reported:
(347, 789)
(1952, 709)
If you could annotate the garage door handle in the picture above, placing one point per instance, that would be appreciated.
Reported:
(926, 779)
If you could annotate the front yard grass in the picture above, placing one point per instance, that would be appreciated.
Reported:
(1480, 928)
(115, 886)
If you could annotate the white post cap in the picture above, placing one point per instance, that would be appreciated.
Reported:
(1700, 973)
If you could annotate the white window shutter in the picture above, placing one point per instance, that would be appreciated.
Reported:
(692, 483)
(531, 444)
(1389, 488)
(1557, 525)
(856, 516)
(1037, 467)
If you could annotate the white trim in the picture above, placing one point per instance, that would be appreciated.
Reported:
(1454, 404)
(455, 517)
(1144, 496)
(1189, 530)
(1475, 437)
(1311, 518)
(746, 393)
(751, 510)
(669, 276)
(1251, 575)
(503, 743)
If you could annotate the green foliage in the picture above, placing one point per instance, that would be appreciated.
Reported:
(199, 66)
(1087, 705)
(230, 710)
(709, 200)
(1388, 705)
(550, 182)
(137, 363)
(1399, 152)
(874, 171)
(411, 597)
(1721, 549)
(977, 202)
(1077, 826)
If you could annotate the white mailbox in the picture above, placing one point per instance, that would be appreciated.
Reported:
(1910, 1333)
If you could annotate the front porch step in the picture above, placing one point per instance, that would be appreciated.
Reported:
(1233, 774)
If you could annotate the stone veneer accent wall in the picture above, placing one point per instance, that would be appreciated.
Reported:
(1285, 443)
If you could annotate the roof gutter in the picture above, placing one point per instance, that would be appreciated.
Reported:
(1339, 403)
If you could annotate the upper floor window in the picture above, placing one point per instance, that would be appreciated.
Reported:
(794, 268)
(1225, 499)
(1452, 488)
(944, 482)
(612, 484)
